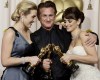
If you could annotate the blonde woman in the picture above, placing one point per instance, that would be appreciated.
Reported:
(15, 41)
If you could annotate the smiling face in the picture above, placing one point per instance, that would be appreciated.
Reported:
(73, 18)
(29, 18)
(71, 24)
(47, 17)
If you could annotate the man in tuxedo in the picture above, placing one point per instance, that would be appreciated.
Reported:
(49, 33)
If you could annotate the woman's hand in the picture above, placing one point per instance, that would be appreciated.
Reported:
(34, 60)
(66, 58)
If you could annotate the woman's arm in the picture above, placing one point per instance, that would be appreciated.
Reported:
(7, 46)
(91, 56)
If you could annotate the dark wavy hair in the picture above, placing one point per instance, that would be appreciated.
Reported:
(73, 13)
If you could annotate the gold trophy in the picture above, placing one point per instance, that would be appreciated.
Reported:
(29, 69)
(48, 75)
(72, 66)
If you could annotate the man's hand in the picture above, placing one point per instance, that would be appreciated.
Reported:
(92, 38)
(46, 64)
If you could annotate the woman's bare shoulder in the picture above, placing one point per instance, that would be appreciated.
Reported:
(83, 35)
(9, 33)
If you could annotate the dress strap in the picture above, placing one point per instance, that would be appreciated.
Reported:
(16, 32)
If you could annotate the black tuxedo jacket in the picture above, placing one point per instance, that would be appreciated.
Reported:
(60, 38)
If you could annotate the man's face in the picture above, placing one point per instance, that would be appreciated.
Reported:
(47, 17)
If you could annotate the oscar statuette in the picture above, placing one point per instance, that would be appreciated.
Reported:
(72, 66)
(47, 75)
(28, 68)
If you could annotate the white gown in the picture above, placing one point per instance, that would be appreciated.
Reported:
(85, 71)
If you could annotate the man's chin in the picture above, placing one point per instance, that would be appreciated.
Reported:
(48, 28)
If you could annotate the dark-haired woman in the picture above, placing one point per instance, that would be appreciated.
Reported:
(84, 55)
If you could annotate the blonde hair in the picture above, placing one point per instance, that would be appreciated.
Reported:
(25, 7)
